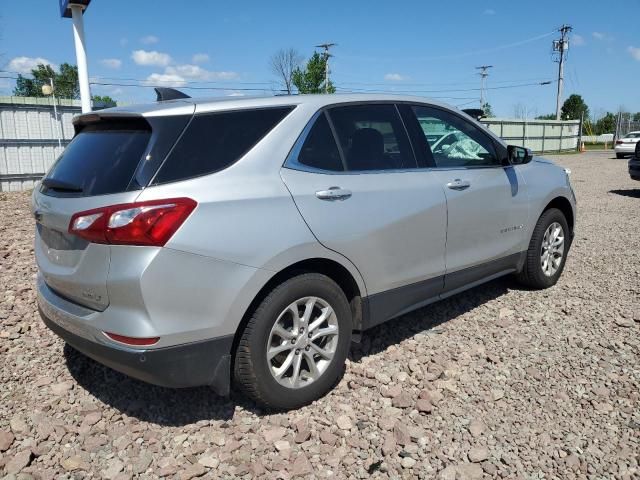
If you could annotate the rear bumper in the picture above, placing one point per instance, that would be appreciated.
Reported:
(191, 365)
(206, 362)
(625, 148)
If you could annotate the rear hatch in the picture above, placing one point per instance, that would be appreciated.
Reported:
(108, 162)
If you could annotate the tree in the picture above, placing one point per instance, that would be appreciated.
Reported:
(548, 116)
(104, 101)
(524, 112)
(606, 124)
(488, 111)
(311, 79)
(636, 117)
(574, 108)
(283, 64)
(65, 82)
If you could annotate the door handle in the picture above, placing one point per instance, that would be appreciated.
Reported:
(458, 184)
(333, 193)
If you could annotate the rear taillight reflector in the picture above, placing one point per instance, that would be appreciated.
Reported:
(141, 223)
(135, 341)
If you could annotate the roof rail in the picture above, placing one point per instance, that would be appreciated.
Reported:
(164, 93)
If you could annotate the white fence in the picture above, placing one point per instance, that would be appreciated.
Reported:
(29, 138)
(605, 137)
(539, 135)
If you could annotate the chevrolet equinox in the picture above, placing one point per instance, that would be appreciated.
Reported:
(247, 241)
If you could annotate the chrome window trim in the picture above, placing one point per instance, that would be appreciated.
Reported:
(291, 162)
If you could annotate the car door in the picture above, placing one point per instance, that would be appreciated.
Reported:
(487, 202)
(353, 177)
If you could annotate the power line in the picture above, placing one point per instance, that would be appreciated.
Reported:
(190, 87)
(455, 55)
(546, 82)
(423, 84)
(145, 80)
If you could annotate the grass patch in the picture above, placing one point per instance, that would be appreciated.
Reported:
(598, 146)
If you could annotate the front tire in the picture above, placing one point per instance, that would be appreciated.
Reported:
(619, 155)
(547, 252)
(294, 346)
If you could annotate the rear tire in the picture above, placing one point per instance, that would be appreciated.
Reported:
(619, 155)
(545, 245)
(287, 379)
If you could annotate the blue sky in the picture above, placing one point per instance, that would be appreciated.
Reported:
(427, 48)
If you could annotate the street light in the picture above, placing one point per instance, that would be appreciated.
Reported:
(50, 90)
(75, 9)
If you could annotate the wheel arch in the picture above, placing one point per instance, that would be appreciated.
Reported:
(331, 268)
(564, 205)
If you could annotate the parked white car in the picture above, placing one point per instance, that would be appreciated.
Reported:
(627, 144)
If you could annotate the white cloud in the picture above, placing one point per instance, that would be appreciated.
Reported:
(158, 59)
(200, 58)
(599, 35)
(577, 40)
(165, 80)
(489, 11)
(114, 63)
(24, 65)
(634, 52)
(195, 72)
(395, 77)
(149, 40)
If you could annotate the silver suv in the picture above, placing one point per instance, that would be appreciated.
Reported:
(248, 241)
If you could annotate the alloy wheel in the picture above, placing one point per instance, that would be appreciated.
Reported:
(552, 251)
(302, 342)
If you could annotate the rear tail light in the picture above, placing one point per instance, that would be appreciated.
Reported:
(618, 142)
(141, 223)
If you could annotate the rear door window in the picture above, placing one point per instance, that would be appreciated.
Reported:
(101, 159)
(372, 137)
(319, 149)
(214, 141)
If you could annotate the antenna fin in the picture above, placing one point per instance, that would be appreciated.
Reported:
(165, 93)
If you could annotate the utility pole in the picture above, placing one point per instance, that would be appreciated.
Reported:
(326, 54)
(483, 75)
(561, 46)
(55, 111)
(50, 89)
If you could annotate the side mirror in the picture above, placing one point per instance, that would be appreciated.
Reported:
(519, 155)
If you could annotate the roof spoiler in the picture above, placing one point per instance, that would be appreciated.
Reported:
(476, 113)
(164, 93)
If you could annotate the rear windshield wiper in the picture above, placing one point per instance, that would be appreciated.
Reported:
(61, 185)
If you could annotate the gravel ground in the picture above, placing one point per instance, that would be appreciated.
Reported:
(498, 382)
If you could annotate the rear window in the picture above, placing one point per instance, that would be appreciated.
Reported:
(214, 141)
(100, 160)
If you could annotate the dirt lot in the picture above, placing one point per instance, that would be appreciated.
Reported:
(509, 383)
